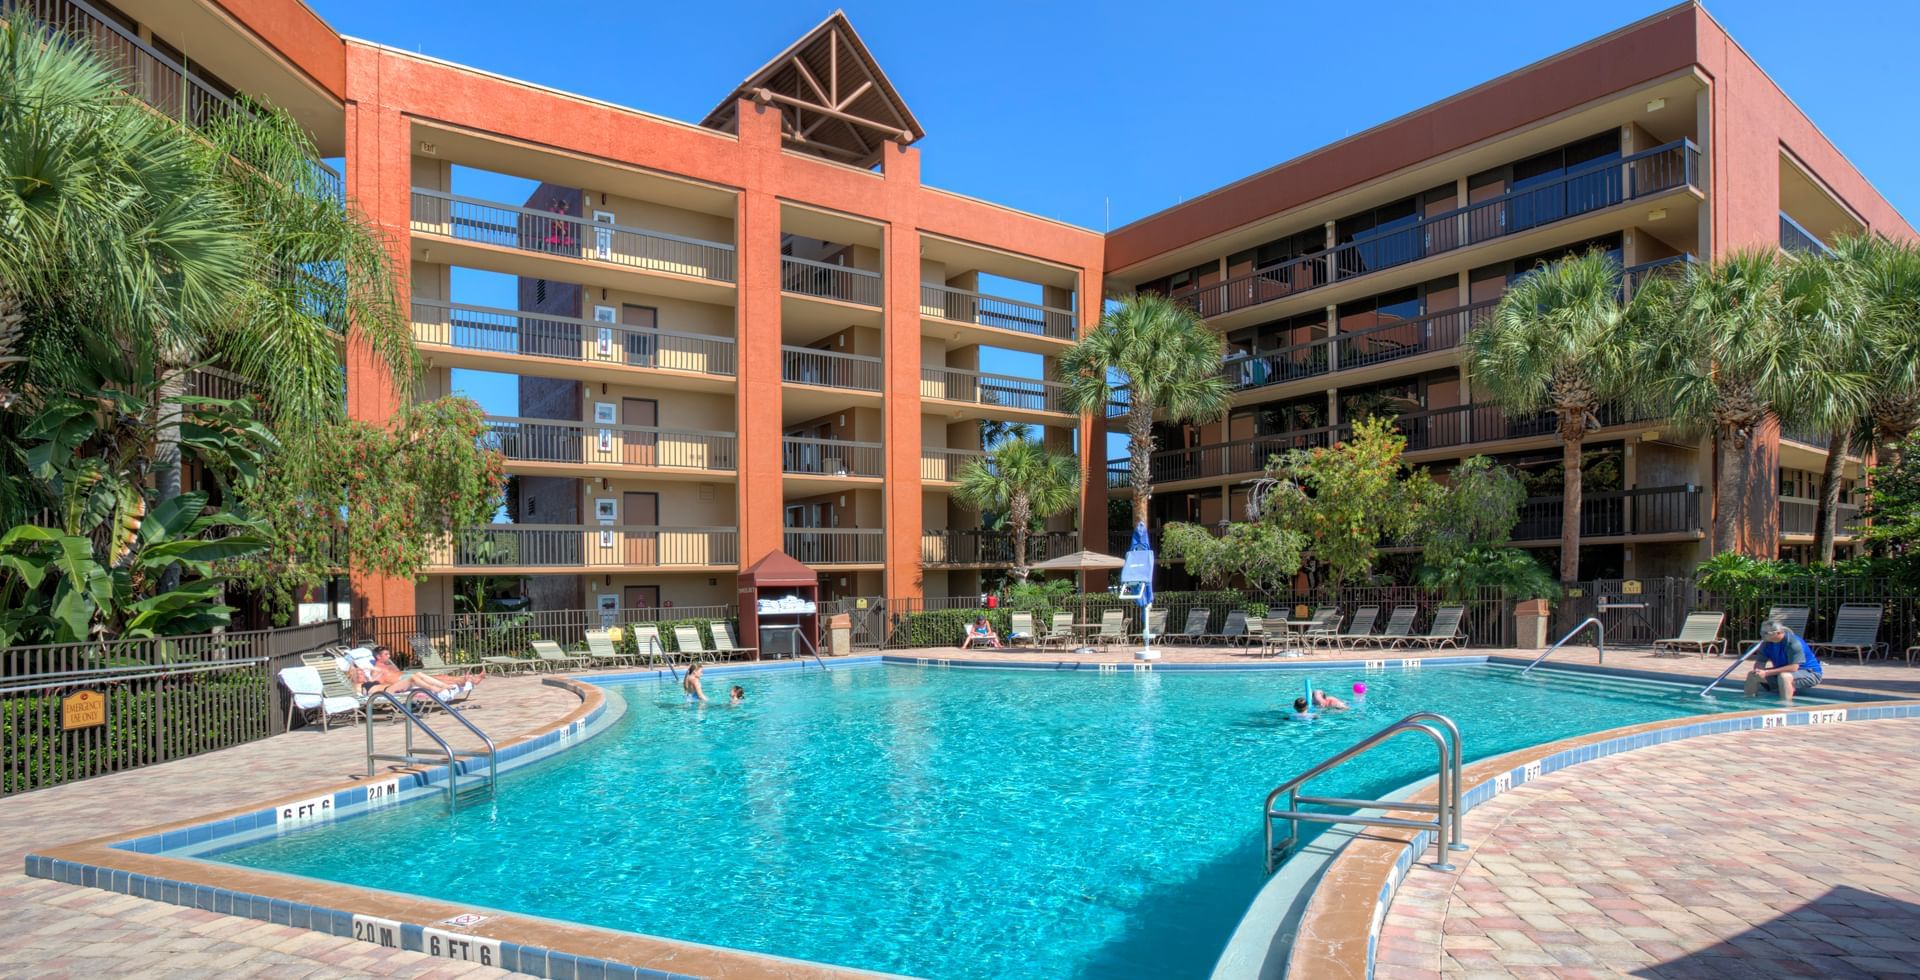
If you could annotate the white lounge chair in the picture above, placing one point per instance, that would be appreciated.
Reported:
(310, 699)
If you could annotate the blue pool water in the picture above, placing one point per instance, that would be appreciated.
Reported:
(943, 823)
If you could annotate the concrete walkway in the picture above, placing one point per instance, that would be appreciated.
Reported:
(60, 930)
(1691, 859)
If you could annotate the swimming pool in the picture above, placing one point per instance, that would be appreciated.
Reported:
(948, 823)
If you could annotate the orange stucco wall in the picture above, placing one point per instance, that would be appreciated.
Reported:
(298, 35)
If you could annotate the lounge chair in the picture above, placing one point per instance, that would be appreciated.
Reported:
(692, 647)
(1359, 628)
(422, 648)
(1793, 617)
(601, 649)
(1326, 626)
(1443, 632)
(1856, 628)
(723, 644)
(1060, 632)
(1156, 623)
(1234, 630)
(1020, 629)
(1700, 634)
(1113, 627)
(1399, 626)
(550, 653)
(1196, 628)
(311, 700)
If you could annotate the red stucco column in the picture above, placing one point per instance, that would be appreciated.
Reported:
(758, 398)
(903, 492)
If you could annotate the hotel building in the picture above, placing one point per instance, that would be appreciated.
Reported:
(762, 332)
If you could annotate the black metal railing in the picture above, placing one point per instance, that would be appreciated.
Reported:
(985, 546)
(1438, 331)
(587, 546)
(946, 465)
(1798, 240)
(981, 309)
(567, 236)
(998, 390)
(562, 441)
(488, 330)
(1798, 517)
(1602, 185)
(1634, 276)
(832, 457)
(828, 281)
(837, 545)
(1620, 513)
(807, 366)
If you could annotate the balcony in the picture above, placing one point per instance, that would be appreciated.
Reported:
(528, 547)
(948, 548)
(1646, 174)
(1797, 240)
(1634, 276)
(1797, 518)
(1466, 425)
(837, 545)
(998, 315)
(822, 280)
(826, 369)
(997, 394)
(561, 448)
(834, 458)
(1347, 351)
(1223, 458)
(482, 338)
(557, 246)
(1671, 511)
(946, 465)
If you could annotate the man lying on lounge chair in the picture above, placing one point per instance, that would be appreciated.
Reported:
(384, 676)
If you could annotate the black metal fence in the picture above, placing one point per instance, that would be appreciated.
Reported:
(467, 637)
(140, 702)
(1643, 610)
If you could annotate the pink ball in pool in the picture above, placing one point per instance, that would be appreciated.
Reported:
(1360, 688)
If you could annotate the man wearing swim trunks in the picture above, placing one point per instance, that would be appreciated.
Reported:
(1784, 663)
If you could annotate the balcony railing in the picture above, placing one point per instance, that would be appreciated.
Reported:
(828, 281)
(567, 236)
(1437, 331)
(1223, 458)
(806, 366)
(1798, 240)
(1797, 517)
(1464, 425)
(1635, 276)
(945, 465)
(588, 546)
(837, 545)
(999, 390)
(494, 331)
(989, 547)
(147, 74)
(215, 383)
(1621, 513)
(1650, 172)
(832, 457)
(966, 306)
(561, 441)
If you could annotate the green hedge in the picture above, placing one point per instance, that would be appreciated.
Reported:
(201, 714)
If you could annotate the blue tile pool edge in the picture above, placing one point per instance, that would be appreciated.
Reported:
(1520, 775)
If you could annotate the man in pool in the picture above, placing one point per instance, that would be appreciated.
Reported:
(1783, 663)
(1327, 702)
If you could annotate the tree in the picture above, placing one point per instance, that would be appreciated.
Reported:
(1474, 510)
(1822, 295)
(1725, 355)
(1157, 355)
(1893, 505)
(1887, 274)
(1557, 342)
(1262, 553)
(1024, 479)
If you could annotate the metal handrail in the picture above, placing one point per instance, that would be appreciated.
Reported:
(1592, 621)
(453, 755)
(1737, 661)
(1454, 731)
(1445, 820)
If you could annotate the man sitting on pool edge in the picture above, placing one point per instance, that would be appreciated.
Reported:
(1789, 664)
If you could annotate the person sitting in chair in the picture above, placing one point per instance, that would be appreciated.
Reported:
(980, 632)
(1783, 662)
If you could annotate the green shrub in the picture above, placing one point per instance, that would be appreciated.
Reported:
(179, 717)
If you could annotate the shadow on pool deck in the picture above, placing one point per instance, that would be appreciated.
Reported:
(1831, 936)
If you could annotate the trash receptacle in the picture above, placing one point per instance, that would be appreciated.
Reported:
(840, 634)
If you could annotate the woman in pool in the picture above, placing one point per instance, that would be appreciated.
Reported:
(692, 685)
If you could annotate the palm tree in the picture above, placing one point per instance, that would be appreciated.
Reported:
(1727, 354)
(1820, 295)
(1024, 479)
(1557, 342)
(1888, 275)
(1164, 358)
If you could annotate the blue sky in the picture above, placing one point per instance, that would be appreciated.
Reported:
(1101, 114)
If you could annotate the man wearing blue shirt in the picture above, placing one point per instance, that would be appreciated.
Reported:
(1783, 663)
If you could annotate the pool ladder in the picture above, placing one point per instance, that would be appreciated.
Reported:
(1446, 808)
(453, 756)
(1598, 627)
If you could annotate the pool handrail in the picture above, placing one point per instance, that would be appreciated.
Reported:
(1445, 819)
(1737, 661)
(1593, 621)
(453, 755)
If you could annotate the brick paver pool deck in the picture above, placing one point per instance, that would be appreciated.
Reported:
(1772, 853)
(54, 929)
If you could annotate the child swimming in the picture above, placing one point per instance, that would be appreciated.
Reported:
(1300, 712)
